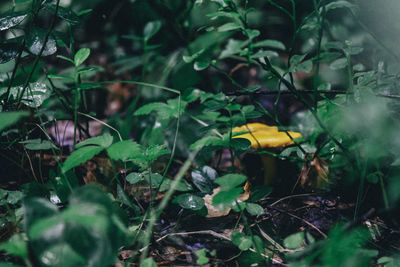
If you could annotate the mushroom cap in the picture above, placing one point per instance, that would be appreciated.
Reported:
(264, 136)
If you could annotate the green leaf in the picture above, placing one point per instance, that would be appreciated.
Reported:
(12, 20)
(232, 47)
(81, 56)
(104, 141)
(204, 179)
(270, 43)
(201, 65)
(80, 156)
(8, 51)
(35, 94)
(15, 246)
(149, 262)
(155, 181)
(230, 181)
(14, 197)
(124, 150)
(263, 53)
(229, 27)
(260, 192)
(10, 118)
(242, 241)
(202, 256)
(35, 38)
(226, 198)
(339, 4)
(61, 77)
(190, 201)
(38, 144)
(251, 34)
(134, 177)
(65, 58)
(305, 66)
(65, 13)
(254, 209)
(189, 59)
(296, 59)
(339, 63)
(151, 28)
(294, 241)
(148, 108)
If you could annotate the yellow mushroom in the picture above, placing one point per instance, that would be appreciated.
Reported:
(262, 136)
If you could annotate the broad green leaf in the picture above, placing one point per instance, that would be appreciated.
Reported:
(104, 141)
(35, 94)
(270, 43)
(10, 118)
(339, 63)
(80, 156)
(134, 177)
(230, 181)
(260, 192)
(353, 50)
(153, 152)
(183, 186)
(12, 20)
(35, 38)
(251, 34)
(226, 198)
(155, 180)
(124, 150)
(254, 209)
(63, 12)
(149, 262)
(202, 256)
(151, 28)
(242, 241)
(294, 241)
(204, 179)
(81, 56)
(190, 201)
(38, 144)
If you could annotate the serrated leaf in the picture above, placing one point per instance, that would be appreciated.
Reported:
(12, 20)
(270, 43)
(81, 56)
(230, 181)
(80, 156)
(190, 201)
(9, 118)
(124, 150)
(35, 38)
(104, 141)
(339, 63)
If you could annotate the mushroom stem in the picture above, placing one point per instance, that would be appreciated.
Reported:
(269, 164)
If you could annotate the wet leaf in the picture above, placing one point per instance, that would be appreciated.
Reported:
(12, 20)
(63, 12)
(204, 179)
(8, 51)
(190, 201)
(35, 38)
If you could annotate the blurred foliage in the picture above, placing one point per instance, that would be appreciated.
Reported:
(166, 82)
